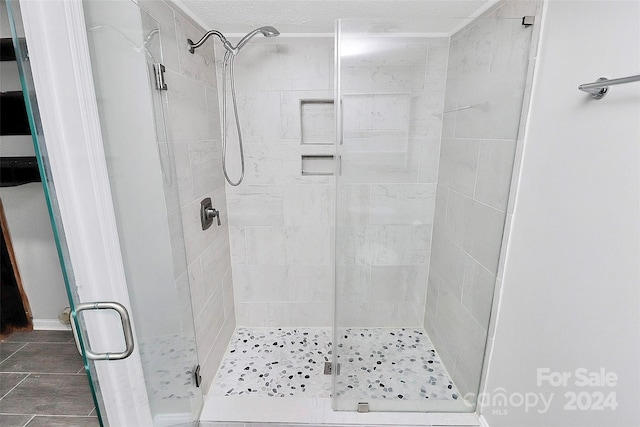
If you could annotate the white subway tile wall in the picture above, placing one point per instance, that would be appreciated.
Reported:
(485, 84)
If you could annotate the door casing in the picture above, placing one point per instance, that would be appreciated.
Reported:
(61, 67)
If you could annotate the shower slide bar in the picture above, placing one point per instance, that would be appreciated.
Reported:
(600, 88)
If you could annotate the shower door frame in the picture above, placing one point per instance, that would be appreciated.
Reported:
(61, 67)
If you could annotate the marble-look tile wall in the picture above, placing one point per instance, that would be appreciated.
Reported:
(487, 70)
(201, 258)
(392, 103)
(279, 219)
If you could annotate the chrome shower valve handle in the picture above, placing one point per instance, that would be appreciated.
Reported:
(211, 213)
(208, 213)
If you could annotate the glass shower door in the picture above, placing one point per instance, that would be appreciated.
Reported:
(386, 193)
(49, 188)
(428, 118)
(126, 57)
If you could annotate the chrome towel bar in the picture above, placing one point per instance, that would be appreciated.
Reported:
(600, 88)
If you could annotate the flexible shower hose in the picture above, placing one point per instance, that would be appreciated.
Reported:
(228, 64)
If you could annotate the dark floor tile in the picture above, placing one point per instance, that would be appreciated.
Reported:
(49, 358)
(50, 395)
(9, 381)
(13, 420)
(48, 421)
(8, 348)
(41, 336)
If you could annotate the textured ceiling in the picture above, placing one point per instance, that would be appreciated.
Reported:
(318, 16)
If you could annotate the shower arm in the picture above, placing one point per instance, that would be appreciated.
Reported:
(193, 46)
(266, 31)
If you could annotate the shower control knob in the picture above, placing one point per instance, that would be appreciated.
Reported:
(208, 213)
(212, 213)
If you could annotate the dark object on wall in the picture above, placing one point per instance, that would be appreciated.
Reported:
(13, 114)
(7, 53)
(18, 170)
(14, 306)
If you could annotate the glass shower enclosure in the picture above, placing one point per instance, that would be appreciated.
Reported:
(125, 52)
(428, 116)
(428, 121)
(126, 56)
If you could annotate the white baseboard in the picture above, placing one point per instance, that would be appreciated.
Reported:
(49, 325)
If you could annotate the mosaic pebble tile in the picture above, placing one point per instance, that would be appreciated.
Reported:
(275, 362)
(391, 363)
(375, 363)
(173, 351)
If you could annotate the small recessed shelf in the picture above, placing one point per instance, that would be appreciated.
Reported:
(317, 122)
(6, 50)
(16, 171)
(13, 114)
(318, 165)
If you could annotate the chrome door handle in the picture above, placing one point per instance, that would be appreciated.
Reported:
(126, 329)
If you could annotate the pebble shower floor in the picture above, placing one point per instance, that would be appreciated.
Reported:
(375, 363)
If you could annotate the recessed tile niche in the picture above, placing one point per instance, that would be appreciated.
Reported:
(317, 164)
(317, 121)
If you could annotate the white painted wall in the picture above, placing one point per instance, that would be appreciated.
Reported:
(28, 219)
(571, 283)
(35, 251)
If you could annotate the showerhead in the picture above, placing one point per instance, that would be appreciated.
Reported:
(269, 31)
(266, 31)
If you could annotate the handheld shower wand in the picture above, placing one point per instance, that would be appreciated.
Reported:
(229, 56)
(266, 31)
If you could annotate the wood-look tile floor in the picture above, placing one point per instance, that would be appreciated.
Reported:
(43, 382)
